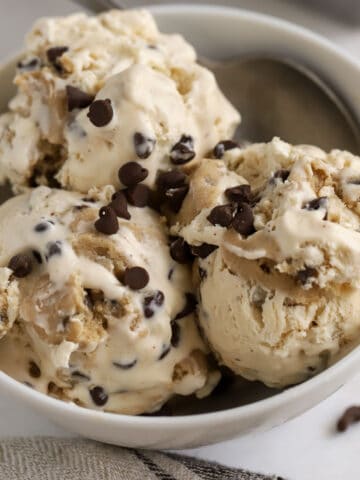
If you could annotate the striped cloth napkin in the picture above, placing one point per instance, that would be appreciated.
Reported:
(43, 458)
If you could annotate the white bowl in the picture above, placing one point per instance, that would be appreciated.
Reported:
(221, 33)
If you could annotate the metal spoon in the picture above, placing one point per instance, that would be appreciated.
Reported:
(278, 97)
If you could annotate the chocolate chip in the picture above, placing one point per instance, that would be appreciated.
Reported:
(202, 273)
(79, 375)
(99, 396)
(107, 222)
(180, 251)
(243, 221)
(239, 194)
(171, 179)
(175, 197)
(282, 174)
(125, 366)
(223, 146)
(175, 334)
(190, 306)
(77, 98)
(183, 151)
(152, 302)
(100, 112)
(354, 181)
(170, 273)
(54, 53)
(119, 205)
(316, 204)
(222, 215)
(165, 351)
(351, 415)
(132, 173)
(143, 145)
(21, 265)
(42, 227)
(37, 256)
(34, 370)
(53, 248)
(28, 66)
(303, 276)
(138, 195)
(265, 268)
(136, 278)
(203, 250)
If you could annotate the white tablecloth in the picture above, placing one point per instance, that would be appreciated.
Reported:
(306, 448)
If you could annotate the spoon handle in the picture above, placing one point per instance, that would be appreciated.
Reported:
(97, 6)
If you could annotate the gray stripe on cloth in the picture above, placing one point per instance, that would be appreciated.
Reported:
(43, 458)
(214, 471)
(174, 466)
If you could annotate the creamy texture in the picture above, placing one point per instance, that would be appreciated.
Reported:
(152, 79)
(148, 102)
(282, 302)
(74, 317)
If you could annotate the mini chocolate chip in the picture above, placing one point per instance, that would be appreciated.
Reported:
(138, 195)
(100, 112)
(119, 205)
(183, 151)
(77, 98)
(41, 227)
(165, 352)
(222, 215)
(99, 396)
(29, 65)
(190, 306)
(136, 278)
(125, 366)
(143, 145)
(79, 375)
(54, 53)
(175, 197)
(170, 273)
(21, 265)
(171, 179)
(354, 181)
(243, 221)
(34, 370)
(151, 302)
(265, 268)
(223, 146)
(316, 204)
(180, 251)
(107, 222)
(175, 334)
(37, 256)
(239, 194)
(54, 248)
(351, 415)
(203, 250)
(282, 174)
(202, 273)
(303, 276)
(132, 173)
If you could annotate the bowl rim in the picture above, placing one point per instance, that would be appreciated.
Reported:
(39, 399)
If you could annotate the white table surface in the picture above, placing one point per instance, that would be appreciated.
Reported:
(307, 448)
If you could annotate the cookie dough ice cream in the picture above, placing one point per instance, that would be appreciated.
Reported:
(96, 92)
(93, 307)
(278, 252)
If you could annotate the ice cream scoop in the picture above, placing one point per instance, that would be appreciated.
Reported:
(279, 290)
(94, 309)
(94, 93)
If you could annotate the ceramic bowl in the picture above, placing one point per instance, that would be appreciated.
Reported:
(241, 406)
